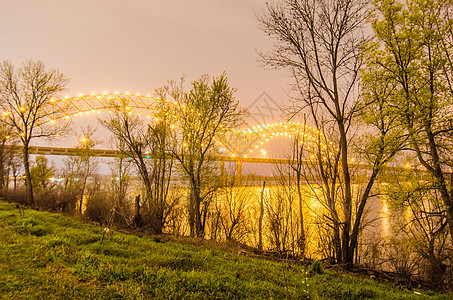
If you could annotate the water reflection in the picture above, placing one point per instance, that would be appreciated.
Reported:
(282, 222)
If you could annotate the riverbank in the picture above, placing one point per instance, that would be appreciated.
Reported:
(46, 255)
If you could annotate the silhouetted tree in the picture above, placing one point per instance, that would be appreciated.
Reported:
(146, 145)
(321, 44)
(202, 114)
(25, 99)
(41, 172)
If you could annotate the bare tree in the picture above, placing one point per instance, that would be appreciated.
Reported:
(146, 146)
(25, 98)
(321, 44)
(232, 206)
(41, 172)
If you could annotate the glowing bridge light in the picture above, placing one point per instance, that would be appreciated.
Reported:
(233, 138)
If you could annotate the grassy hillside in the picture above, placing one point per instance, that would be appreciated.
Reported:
(44, 255)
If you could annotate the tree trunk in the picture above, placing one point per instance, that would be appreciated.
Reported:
(198, 219)
(2, 167)
(346, 258)
(355, 231)
(195, 216)
(260, 220)
(29, 187)
(302, 238)
(82, 192)
(137, 220)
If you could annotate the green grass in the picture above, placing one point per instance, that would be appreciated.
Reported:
(49, 256)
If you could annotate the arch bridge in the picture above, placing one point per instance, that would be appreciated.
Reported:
(237, 143)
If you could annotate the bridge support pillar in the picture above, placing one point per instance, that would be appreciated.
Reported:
(239, 172)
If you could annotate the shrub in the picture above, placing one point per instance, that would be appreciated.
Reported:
(98, 208)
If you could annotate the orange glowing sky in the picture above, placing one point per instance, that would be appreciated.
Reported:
(136, 45)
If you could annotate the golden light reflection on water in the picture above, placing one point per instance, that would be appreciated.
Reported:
(385, 218)
(378, 217)
(287, 215)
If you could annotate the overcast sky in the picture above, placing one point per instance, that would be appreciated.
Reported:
(136, 45)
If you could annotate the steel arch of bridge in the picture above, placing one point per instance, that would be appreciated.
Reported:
(70, 106)
(237, 142)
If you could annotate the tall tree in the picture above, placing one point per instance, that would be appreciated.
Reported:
(41, 172)
(414, 44)
(146, 145)
(25, 98)
(202, 113)
(321, 44)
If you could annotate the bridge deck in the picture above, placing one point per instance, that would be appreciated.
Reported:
(43, 150)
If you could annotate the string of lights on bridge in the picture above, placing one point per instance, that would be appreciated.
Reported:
(89, 104)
